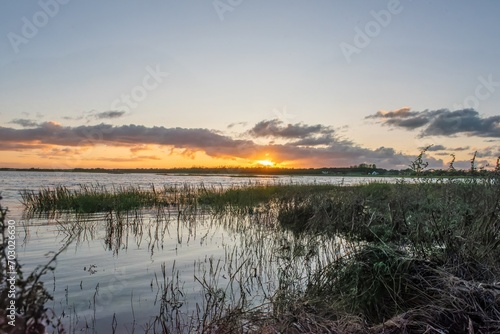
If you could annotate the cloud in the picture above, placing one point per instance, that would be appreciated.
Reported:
(438, 147)
(93, 115)
(232, 125)
(25, 123)
(109, 114)
(128, 159)
(441, 122)
(138, 148)
(398, 113)
(462, 148)
(51, 133)
(489, 152)
(433, 148)
(277, 129)
(300, 144)
(323, 140)
(14, 146)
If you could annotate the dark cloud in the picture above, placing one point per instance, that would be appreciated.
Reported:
(433, 148)
(403, 118)
(51, 133)
(94, 115)
(462, 148)
(399, 113)
(408, 123)
(109, 114)
(323, 140)
(442, 122)
(232, 125)
(463, 121)
(25, 123)
(69, 118)
(489, 152)
(277, 129)
(438, 147)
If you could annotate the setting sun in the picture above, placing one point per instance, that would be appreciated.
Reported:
(267, 163)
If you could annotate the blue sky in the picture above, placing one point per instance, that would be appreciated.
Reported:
(225, 68)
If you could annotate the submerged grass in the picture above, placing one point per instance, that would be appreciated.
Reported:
(97, 198)
(87, 199)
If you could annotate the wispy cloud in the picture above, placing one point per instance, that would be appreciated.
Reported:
(93, 115)
(438, 147)
(109, 114)
(25, 123)
(232, 125)
(441, 122)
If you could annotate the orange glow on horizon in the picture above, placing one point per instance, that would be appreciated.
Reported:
(108, 157)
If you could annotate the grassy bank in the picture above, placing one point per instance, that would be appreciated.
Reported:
(423, 257)
(429, 260)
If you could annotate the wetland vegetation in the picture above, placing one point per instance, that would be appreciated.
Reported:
(408, 257)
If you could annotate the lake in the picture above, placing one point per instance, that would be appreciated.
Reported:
(139, 272)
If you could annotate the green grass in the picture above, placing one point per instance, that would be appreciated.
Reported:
(246, 198)
(421, 255)
(97, 198)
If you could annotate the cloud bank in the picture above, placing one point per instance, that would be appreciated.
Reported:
(441, 122)
(300, 144)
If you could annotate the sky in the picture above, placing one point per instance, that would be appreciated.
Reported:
(285, 83)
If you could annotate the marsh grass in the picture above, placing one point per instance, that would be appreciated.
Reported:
(183, 198)
(429, 255)
(88, 199)
(375, 258)
(249, 196)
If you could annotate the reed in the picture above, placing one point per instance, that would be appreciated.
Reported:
(373, 258)
(97, 198)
